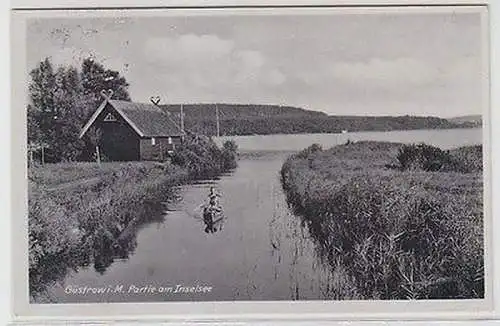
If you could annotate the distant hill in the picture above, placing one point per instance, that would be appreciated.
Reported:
(473, 119)
(241, 111)
(238, 119)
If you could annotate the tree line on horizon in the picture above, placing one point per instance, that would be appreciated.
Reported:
(273, 119)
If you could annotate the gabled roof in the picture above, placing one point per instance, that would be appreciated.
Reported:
(147, 120)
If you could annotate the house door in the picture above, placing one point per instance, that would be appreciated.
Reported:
(119, 144)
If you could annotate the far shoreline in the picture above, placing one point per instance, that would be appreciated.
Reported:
(224, 137)
(296, 142)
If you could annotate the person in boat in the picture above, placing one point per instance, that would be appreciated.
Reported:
(211, 209)
(214, 199)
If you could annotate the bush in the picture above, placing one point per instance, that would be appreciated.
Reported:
(201, 156)
(229, 155)
(429, 158)
(422, 157)
(314, 148)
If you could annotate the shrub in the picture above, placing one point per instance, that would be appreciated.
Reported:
(229, 154)
(314, 148)
(201, 156)
(422, 157)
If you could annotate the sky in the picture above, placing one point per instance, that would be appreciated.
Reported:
(342, 64)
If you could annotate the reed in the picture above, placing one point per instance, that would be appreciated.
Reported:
(397, 234)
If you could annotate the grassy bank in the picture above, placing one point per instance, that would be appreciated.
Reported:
(393, 231)
(75, 223)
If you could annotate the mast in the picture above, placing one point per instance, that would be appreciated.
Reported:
(217, 118)
(182, 119)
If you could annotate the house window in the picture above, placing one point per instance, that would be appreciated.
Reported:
(153, 141)
(110, 117)
(170, 140)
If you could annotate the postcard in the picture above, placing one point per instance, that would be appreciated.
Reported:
(248, 160)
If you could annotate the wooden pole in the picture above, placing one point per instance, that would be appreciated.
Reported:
(98, 155)
(217, 117)
(161, 152)
(182, 119)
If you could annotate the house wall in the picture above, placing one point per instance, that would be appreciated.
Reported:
(158, 151)
(119, 141)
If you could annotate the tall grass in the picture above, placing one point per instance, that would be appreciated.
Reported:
(397, 234)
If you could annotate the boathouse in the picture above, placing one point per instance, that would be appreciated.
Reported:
(134, 131)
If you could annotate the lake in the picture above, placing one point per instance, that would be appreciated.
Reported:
(444, 138)
(262, 252)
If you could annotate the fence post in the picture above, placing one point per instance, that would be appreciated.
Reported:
(98, 155)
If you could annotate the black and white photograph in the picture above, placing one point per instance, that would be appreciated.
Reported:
(307, 154)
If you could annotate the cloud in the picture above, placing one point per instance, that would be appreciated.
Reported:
(464, 70)
(251, 59)
(202, 62)
(275, 78)
(385, 73)
(189, 48)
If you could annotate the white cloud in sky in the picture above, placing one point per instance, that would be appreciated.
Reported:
(466, 70)
(187, 49)
(251, 59)
(203, 61)
(276, 77)
(386, 73)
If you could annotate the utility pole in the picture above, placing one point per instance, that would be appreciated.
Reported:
(217, 117)
(43, 154)
(182, 118)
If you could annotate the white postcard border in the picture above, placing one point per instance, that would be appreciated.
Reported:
(303, 310)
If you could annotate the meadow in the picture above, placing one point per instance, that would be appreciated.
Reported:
(393, 221)
(83, 213)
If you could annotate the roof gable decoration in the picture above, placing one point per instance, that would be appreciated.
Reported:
(110, 117)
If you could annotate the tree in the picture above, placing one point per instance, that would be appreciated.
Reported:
(42, 109)
(96, 78)
(68, 105)
(62, 100)
(33, 125)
